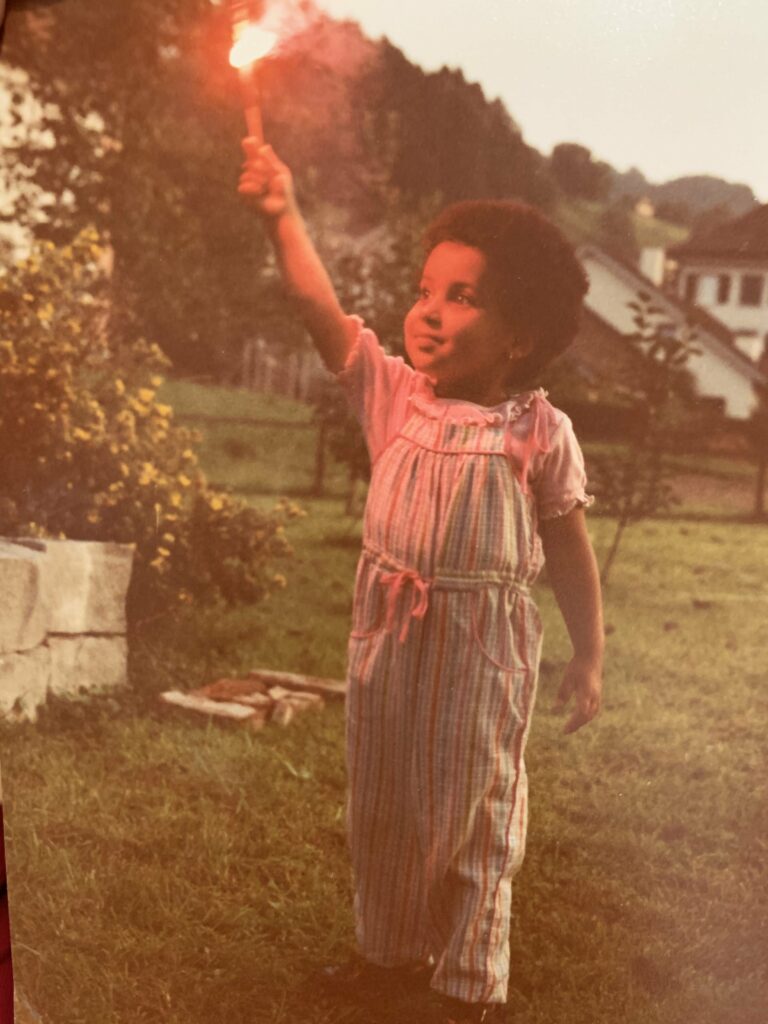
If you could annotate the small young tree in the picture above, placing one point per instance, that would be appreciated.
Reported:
(758, 435)
(341, 433)
(637, 481)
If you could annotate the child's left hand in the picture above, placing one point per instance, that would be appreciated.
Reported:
(582, 680)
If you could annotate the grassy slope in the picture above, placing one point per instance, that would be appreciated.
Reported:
(580, 219)
(164, 870)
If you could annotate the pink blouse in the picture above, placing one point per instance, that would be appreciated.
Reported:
(538, 438)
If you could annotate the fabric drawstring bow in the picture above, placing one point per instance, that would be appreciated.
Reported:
(396, 581)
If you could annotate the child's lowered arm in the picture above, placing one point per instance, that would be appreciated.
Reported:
(572, 570)
(266, 182)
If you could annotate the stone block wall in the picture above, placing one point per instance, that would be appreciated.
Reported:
(62, 620)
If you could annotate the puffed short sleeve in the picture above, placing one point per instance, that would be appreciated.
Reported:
(561, 481)
(378, 387)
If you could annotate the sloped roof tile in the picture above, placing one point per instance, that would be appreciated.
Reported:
(746, 237)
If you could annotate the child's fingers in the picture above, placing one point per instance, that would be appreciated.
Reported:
(260, 153)
(247, 188)
(251, 145)
(272, 160)
(575, 722)
(564, 693)
(262, 171)
(587, 708)
(251, 182)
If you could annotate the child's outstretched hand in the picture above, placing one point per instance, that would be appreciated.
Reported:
(265, 181)
(582, 680)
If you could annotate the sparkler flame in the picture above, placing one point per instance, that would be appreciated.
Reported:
(253, 43)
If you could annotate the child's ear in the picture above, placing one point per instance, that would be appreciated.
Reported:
(520, 347)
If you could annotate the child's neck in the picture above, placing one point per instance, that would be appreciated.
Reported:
(478, 394)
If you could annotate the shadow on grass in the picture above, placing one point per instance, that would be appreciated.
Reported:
(346, 541)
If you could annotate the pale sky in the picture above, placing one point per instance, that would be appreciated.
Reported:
(673, 87)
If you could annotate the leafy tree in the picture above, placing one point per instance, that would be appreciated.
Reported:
(636, 482)
(617, 232)
(675, 211)
(158, 177)
(578, 174)
(340, 433)
(448, 138)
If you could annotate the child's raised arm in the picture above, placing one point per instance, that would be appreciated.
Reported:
(267, 184)
(572, 570)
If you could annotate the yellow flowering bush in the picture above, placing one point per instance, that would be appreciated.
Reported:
(89, 453)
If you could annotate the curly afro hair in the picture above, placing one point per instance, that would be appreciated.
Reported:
(533, 277)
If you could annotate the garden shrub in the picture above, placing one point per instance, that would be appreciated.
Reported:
(87, 451)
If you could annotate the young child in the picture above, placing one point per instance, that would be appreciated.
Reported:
(471, 487)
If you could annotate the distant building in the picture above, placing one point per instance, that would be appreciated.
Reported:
(644, 207)
(720, 371)
(297, 372)
(725, 270)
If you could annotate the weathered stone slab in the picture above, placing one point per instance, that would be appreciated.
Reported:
(23, 610)
(24, 680)
(87, 663)
(85, 584)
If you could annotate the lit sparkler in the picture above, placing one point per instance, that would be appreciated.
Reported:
(251, 44)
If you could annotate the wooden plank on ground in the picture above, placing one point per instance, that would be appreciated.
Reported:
(293, 681)
(215, 708)
(231, 689)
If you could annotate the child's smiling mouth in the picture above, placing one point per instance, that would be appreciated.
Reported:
(428, 342)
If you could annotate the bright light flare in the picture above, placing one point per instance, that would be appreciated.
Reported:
(252, 44)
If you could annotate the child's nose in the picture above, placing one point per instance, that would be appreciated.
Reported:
(431, 310)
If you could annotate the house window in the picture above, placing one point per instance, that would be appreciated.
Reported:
(723, 288)
(691, 287)
(707, 290)
(751, 289)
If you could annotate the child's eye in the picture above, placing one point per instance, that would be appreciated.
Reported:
(464, 299)
(424, 292)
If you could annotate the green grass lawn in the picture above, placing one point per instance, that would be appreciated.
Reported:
(167, 870)
(273, 456)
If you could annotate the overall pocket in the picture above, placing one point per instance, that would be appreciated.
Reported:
(368, 607)
(501, 628)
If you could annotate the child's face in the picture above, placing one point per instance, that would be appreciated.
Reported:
(452, 333)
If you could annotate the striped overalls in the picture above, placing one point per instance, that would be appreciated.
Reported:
(443, 661)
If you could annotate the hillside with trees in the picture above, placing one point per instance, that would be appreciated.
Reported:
(684, 200)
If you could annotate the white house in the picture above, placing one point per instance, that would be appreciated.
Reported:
(725, 271)
(720, 370)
